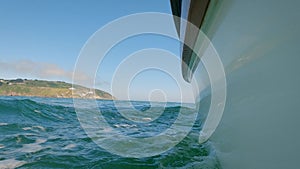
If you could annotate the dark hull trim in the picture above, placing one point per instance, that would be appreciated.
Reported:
(196, 14)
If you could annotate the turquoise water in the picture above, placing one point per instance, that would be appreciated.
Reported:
(45, 133)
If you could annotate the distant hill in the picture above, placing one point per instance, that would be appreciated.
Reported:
(42, 88)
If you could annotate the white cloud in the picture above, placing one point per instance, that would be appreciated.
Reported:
(41, 70)
(34, 69)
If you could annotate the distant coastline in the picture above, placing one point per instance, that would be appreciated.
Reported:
(52, 89)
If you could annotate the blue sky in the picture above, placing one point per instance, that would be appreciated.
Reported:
(54, 31)
(42, 39)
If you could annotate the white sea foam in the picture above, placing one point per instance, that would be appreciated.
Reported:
(40, 127)
(29, 134)
(39, 141)
(124, 125)
(11, 163)
(69, 146)
(3, 124)
(107, 130)
(33, 147)
(37, 111)
(26, 128)
(34, 127)
(147, 119)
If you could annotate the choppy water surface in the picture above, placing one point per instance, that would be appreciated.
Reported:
(45, 133)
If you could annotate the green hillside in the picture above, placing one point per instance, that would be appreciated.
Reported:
(42, 88)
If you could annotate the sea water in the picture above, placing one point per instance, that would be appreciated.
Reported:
(46, 133)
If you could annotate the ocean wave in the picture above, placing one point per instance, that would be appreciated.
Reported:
(39, 135)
